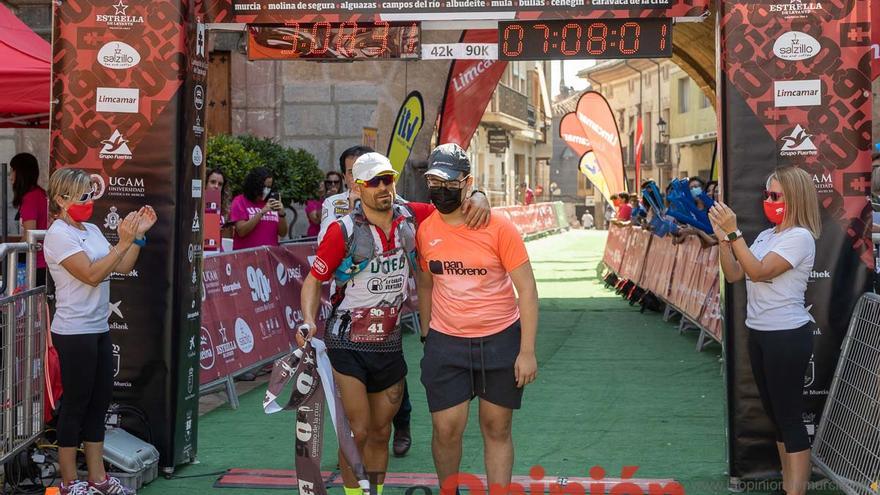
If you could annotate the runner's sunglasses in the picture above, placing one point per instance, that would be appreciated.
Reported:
(380, 179)
(772, 196)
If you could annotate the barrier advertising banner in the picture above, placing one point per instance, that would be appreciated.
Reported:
(469, 88)
(600, 128)
(795, 89)
(120, 76)
(531, 219)
(251, 307)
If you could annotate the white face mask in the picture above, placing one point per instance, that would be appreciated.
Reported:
(266, 191)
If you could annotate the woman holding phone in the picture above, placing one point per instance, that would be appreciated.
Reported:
(258, 213)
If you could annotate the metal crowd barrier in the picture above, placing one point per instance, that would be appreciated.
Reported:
(22, 347)
(847, 444)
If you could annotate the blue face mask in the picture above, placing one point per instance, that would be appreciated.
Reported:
(696, 191)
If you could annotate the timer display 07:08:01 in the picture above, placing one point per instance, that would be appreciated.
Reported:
(585, 39)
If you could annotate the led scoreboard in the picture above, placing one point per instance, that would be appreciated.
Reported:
(585, 39)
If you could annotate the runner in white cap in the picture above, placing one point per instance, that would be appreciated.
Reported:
(370, 254)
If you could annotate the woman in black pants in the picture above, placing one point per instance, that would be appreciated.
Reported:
(80, 261)
(777, 268)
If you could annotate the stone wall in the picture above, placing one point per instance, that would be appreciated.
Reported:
(323, 107)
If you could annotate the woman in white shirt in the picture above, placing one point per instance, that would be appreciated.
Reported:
(777, 268)
(80, 261)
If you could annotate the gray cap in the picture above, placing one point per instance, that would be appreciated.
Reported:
(447, 161)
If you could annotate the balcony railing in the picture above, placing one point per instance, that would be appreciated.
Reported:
(512, 102)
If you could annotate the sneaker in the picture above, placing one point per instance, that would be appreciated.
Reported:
(110, 486)
(75, 488)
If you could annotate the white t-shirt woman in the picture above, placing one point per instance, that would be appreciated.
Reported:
(80, 308)
(778, 303)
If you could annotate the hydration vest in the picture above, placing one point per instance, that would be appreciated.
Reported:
(371, 284)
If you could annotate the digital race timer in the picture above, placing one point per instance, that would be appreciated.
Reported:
(335, 41)
(585, 38)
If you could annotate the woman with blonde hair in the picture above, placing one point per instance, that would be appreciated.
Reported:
(80, 261)
(776, 268)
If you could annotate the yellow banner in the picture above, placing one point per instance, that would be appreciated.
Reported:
(407, 126)
(589, 166)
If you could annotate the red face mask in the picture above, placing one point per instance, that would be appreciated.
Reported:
(80, 212)
(617, 203)
(774, 211)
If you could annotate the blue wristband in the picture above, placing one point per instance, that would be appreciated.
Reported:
(141, 242)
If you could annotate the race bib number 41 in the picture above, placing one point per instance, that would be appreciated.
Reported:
(373, 325)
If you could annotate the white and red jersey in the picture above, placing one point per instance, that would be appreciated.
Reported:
(371, 299)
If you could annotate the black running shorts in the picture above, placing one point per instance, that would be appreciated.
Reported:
(376, 370)
(457, 369)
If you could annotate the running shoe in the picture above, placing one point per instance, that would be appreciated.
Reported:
(75, 488)
(110, 486)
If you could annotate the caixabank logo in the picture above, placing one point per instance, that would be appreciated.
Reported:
(458, 268)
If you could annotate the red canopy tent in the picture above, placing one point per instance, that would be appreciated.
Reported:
(25, 74)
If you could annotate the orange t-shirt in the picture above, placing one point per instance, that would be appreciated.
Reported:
(473, 294)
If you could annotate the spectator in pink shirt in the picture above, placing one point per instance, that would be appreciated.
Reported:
(31, 202)
(258, 213)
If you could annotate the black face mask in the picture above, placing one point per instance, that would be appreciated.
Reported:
(446, 200)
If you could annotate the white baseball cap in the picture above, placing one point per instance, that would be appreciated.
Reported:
(371, 165)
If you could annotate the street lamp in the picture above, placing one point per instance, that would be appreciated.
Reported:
(661, 126)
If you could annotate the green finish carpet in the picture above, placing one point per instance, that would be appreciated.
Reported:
(615, 388)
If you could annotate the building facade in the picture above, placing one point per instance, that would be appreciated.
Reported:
(513, 143)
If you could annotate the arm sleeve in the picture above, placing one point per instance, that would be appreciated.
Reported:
(237, 210)
(421, 211)
(331, 250)
(60, 245)
(795, 248)
(511, 247)
(30, 206)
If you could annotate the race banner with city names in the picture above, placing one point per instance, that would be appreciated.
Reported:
(118, 71)
(795, 89)
(269, 11)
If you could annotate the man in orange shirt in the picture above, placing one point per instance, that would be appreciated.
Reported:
(479, 342)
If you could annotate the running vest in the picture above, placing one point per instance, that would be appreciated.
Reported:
(371, 284)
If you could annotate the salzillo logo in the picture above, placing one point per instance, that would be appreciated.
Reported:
(797, 93)
(118, 55)
(244, 336)
(798, 143)
(120, 100)
(115, 148)
(795, 45)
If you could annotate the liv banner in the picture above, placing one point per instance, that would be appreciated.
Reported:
(821, 49)
(598, 124)
(407, 125)
(469, 89)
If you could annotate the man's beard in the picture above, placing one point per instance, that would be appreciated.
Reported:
(383, 204)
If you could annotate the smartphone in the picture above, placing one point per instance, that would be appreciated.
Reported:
(273, 194)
